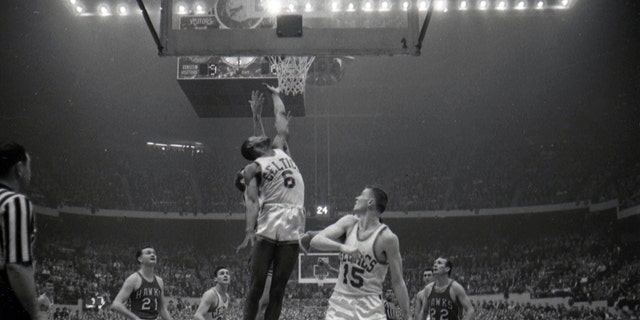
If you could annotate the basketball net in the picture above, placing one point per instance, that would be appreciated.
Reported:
(291, 72)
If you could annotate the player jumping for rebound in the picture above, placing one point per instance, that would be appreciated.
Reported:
(275, 216)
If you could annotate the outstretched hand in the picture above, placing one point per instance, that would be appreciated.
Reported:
(256, 102)
(250, 238)
(273, 90)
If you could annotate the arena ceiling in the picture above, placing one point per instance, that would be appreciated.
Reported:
(568, 78)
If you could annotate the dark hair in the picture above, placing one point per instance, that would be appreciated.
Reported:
(427, 269)
(248, 148)
(380, 196)
(239, 176)
(215, 272)
(10, 154)
(139, 253)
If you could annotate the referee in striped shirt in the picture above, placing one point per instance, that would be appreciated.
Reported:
(391, 309)
(18, 298)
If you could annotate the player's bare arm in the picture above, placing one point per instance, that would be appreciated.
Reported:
(256, 103)
(417, 305)
(327, 239)
(209, 298)
(251, 172)
(164, 313)
(423, 310)
(391, 247)
(128, 286)
(305, 241)
(461, 296)
(282, 119)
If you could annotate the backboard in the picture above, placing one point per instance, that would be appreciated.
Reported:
(221, 86)
(315, 267)
(289, 27)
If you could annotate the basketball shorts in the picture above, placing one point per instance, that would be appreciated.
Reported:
(355, 307)
(282, 223)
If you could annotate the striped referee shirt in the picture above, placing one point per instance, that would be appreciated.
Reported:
(17, 228)
(391, 310)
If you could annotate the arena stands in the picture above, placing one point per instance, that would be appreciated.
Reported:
(577, 255)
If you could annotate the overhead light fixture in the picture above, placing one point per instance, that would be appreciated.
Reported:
(104, 10)
(122, 9)
(384, 6)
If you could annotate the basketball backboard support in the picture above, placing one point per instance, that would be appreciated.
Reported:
(289, 27)
(221, 86)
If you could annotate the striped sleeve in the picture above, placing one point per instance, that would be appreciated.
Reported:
(18, 228)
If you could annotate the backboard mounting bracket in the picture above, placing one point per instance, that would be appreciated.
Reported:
(152, 29)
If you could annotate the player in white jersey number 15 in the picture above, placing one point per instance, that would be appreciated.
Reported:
(369, 250)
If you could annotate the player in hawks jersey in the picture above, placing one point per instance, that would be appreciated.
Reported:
(421, 297)
(369, 250)
(275, 216)
(215, 301)
(446, 298)
(144, 290)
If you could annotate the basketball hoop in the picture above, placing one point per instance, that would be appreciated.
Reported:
(291, 72)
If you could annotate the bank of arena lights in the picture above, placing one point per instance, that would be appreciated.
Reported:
(192, 147)
(111, 8)
(104, 8)
(375, 6)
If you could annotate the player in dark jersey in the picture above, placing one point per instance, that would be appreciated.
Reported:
(446, 298)
(421, 297)
(144, 290)
(215, 301)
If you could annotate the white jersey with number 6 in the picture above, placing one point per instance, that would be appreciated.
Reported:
(362, 276)
(281, 180)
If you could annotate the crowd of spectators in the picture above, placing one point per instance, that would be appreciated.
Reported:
(179, 181)
(585, 262)
(313, 309)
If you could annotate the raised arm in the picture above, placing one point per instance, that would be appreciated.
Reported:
(281, 120)
(251, 172)
(124, 294)
(391, 247)
(461, 295)
(256, 103)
